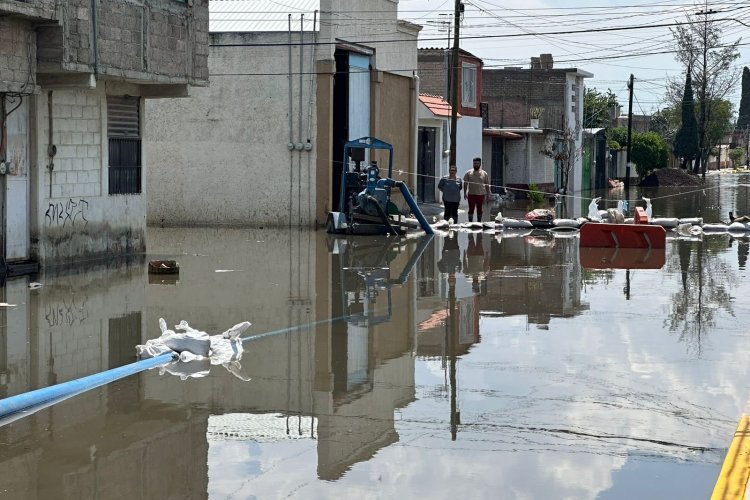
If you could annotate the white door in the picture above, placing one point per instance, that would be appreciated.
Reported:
(17, 181)
(359, 96)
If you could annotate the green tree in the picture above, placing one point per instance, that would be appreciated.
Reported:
(743, 120)
(686, 144)
(618, 135)
(666, 122)
(700, 48)
(597, 108)
(649, 152)
(721, 124)
(736, 155)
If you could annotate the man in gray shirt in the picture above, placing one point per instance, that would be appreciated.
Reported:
(450, 186)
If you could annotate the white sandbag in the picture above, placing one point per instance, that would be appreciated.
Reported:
(695, 221)
(668, 222)
(594, 209)
(516, 223)
(715, 228)
(629, 220)
(566, 223)
(603, 215)
(615, 216)
(738, 227)
(195, 342)
(649, 209)
(196, 351)
(686, 228)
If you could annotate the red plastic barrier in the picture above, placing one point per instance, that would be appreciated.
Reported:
(640, 216)
(622, 258)
(602, 235)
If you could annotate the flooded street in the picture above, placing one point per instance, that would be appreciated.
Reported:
(493, 364)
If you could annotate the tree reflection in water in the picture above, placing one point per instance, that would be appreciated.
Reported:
(706, 283)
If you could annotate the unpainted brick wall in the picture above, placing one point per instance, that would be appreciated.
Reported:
(511, 92)
(17, 55)
(77, 134)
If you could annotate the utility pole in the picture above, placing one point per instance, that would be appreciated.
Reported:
(630, 135)
(454, 80)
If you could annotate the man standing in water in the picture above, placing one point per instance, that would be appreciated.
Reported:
(450, 186)
(476, 187)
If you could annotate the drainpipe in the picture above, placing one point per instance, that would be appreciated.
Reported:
(51, 149)
(290, 145)
(95, 34)
(308, 144)
(3, 141)
(298, 146)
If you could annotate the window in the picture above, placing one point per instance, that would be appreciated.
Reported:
(124, 135)
(469, 85)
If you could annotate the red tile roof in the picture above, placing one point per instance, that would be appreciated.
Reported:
(436, 104)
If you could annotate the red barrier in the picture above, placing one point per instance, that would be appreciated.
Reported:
(622, 236)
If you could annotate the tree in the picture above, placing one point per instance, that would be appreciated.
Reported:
(686, 145)
(563, 150)
(736, 155)
(618, 136)
(649, 152)
(700, 48)
(597, 108)
(743, 120)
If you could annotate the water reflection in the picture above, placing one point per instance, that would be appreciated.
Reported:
(399, 366)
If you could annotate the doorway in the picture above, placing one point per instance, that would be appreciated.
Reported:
(426, 164)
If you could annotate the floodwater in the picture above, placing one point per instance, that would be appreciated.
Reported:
(479, 366)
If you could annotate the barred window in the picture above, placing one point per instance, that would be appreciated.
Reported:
(124, 136)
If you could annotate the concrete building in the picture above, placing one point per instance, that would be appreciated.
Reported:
(264, 143)
(73, 80)
(432, 145)
(434, 74)
(529, 110)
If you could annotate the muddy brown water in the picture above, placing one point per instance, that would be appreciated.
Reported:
(480, 366)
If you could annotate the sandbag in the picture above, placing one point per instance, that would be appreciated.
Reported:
(695, 221)
(516, 223)
(739, 227)
(715, 228)
(669, 222)
(566, 223)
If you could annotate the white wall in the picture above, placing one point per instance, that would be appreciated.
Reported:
(372, 22)
(220, 156)
(469, 142)
(74, 216)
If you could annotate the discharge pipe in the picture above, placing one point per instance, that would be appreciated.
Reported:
(410, 201)
(25, 404)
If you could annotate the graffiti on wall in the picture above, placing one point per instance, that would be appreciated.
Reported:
(70, 213)
(67, 313)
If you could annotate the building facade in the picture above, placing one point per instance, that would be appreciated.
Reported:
(530, 110)
(435, 75)
(264, 143)
(73, 81)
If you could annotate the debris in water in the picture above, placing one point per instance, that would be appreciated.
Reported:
(34, 285)
(5, 304)
(197, 351)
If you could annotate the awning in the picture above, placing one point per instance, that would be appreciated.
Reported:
(505, 134)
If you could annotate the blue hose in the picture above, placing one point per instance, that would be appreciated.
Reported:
(38, 397)
(18, 406)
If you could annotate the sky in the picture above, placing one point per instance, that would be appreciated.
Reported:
(509, 33)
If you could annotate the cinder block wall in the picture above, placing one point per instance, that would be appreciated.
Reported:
(75, 216)
(17, 55)
(511, 92)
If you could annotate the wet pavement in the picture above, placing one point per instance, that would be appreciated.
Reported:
(479, 366)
